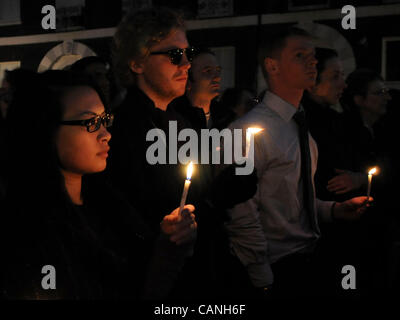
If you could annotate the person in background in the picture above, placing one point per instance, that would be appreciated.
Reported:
(327, 129)
(203, 86)
(233, 104)
(365, 102)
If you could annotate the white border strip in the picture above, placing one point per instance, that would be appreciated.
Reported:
(273, 18)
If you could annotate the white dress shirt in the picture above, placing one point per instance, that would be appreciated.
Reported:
(274, 223)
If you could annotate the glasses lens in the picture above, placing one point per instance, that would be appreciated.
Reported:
(108, 120)
(94, 124)
(176, 56)
(190, 52)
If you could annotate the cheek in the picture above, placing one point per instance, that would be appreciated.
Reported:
(77, 152)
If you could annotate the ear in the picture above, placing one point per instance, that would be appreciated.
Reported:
(271, 65)
(358, 100)
(136, 67)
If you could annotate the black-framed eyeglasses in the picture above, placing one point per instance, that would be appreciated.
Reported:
(92, 124)
(176, 55)
(381, 92)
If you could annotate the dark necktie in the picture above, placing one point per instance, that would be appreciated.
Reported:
(308, 192)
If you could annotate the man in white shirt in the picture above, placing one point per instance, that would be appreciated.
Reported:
(275, 232)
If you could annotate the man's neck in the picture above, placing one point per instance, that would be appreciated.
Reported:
(293, 96)
(199, 102)
(73, 184)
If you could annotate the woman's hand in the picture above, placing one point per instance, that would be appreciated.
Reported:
(180, 229)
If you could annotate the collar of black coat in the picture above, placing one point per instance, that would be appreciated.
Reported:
(137, 105)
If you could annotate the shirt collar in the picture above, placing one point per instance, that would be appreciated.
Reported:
(281, 107)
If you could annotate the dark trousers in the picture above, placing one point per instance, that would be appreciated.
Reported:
(295, 276)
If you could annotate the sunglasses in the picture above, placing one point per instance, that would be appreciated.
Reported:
(176, 55)
(92, 124)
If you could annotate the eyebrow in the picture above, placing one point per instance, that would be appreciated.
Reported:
(90, 113)
(303, 49)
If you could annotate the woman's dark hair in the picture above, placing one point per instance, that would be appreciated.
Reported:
(32, 164)
(82, 64)
(323, 55)
(357, 84)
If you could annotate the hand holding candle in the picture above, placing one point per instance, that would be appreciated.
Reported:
(250, 132)
(186, 186)
(370, 174)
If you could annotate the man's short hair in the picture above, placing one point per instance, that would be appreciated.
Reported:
(137, 32)
(273, 44)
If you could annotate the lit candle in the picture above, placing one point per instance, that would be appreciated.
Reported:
(370, 174)
(249, 133)
(189, 172)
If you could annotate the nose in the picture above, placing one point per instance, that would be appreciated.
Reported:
(104, 135)
(217, 75)
(185, 63)
(343, 83)
(313, 61)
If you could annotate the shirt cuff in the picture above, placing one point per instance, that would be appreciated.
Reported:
(325, 210)
(260, 274)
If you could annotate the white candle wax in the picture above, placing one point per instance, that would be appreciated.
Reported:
(370, 174)
(184, 195)
(369, 185)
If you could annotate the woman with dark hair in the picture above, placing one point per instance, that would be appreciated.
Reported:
(59, 213)
(326, 126)
(364, 102)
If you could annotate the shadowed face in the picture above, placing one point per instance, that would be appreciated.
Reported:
(205, 76)
(376, 99)
(296, 66)
(80, 151)
(331, 84)
(157, 76)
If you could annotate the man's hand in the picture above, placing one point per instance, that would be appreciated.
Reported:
(181, 229)
(346, 181)
(352, 209)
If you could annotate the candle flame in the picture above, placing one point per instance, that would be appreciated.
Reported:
(254, 130)
(372, 171)
(189, 171)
